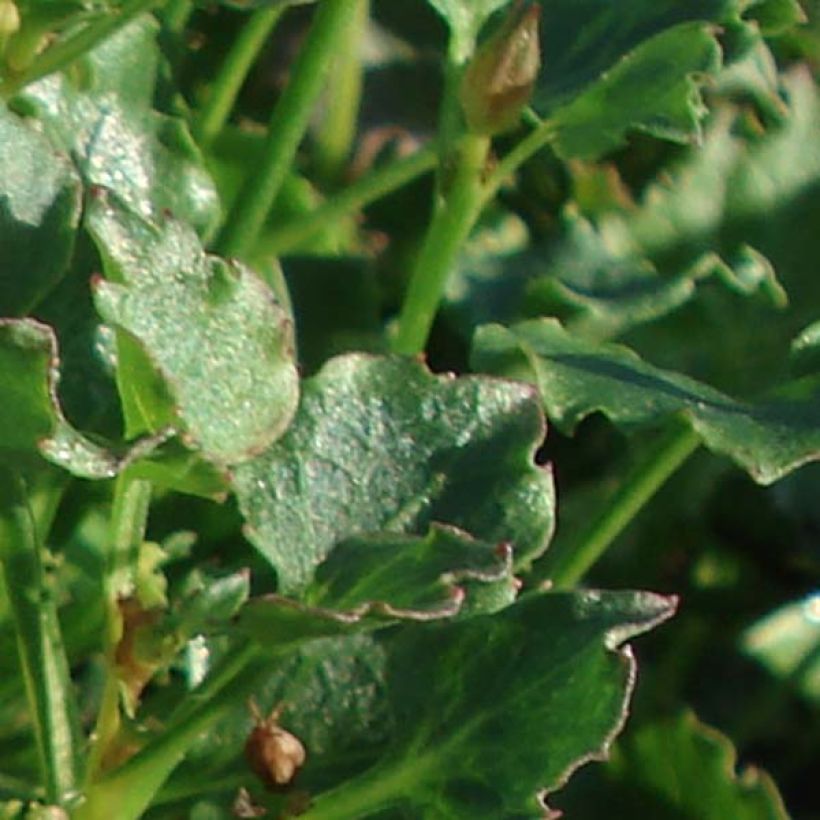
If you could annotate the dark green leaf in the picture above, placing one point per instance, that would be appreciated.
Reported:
(576, 377)
(582, 41)
(654, 88)
(102, 114)
(368, 582)
(380, 444)
(213, 329)
(340, 681)
(494, 712)
(39, 213)
(696, 781)
(32, 421)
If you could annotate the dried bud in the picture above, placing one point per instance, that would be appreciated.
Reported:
(274, 754)
(499, 79)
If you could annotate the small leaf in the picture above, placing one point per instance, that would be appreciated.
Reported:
(37, 221)
(369, 582)
(32, 422)
(576, 377)
(213, 330)
(380, 444)
(492, 713)
(654, 88)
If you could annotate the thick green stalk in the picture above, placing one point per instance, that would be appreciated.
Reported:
(452, 222)
(343, 94)
(234, 70)
(350, 200)
(64, 52)
(637, 489)
(39, 641)
(288, 124)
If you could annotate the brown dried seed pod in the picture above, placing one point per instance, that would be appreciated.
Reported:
(274, 754)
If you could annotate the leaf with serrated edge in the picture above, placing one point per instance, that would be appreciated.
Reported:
(381, 444)
(32, 422)
(369, 582)
(493, 713)
(698, 778)
(653, 88)
(576, 377)
(212, 328)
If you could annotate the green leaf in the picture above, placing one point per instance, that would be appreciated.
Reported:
(494, 712)
(777, 16)
(339, 680)
(212, 328)
(697, 779)
(208, 603)
(32, 422)
(787, 643)
(37, 221)
(654, 88)
(582, 41)
(465, 19)
(102, 113)
(768, 438)
(380, 444)
(369, 582)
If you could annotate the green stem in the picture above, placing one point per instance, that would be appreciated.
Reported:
(637, 489)
(39, 641)
(129, 515)
(288, 124)
(367, 189)
(343, 98)
(517, 156)
(452, 222)
(234, 70)
(66, 51)
(127, 792)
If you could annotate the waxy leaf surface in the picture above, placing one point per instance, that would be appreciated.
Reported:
(39, 213)
(381, 444)
(211, 328)
(107, 122)
(576, 377)
(369, 582)
(492, 712)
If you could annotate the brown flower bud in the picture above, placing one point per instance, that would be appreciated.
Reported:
(500, 77)
(274, 754)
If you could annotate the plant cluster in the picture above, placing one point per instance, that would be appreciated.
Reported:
(291, 293)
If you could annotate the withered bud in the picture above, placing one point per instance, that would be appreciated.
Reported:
(274, 754)
(498, 81)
